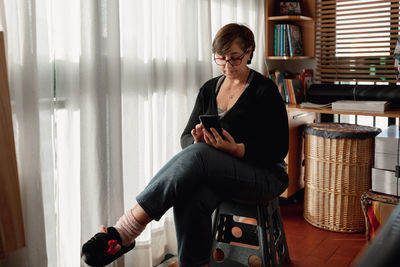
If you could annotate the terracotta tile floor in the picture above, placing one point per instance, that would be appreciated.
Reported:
(313, 247)
(310, 246)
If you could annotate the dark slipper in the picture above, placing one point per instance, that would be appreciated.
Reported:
(100, 249)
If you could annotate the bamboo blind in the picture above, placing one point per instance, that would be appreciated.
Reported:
(355, 40)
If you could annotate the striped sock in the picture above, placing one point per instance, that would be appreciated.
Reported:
(129, 228)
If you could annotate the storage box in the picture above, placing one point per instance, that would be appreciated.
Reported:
(377, 209)
(384, 181)
(386, 144)
(383, 175)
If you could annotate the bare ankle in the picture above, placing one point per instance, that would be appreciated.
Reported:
(141, 215)
(129, 226)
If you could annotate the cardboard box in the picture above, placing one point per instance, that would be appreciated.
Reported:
(386, 145)
(384, 181)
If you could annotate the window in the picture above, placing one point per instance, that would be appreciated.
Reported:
(355, 42)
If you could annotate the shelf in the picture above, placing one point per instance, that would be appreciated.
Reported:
(393, 113)
(290, 17)
(306, 22)
(287, 58)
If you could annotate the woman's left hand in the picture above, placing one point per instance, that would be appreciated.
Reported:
(226, 144)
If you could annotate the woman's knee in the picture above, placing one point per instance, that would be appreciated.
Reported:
(201, 148)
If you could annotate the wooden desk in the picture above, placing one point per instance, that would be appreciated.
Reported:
(294, 158)
(389, 113)
(298, 116)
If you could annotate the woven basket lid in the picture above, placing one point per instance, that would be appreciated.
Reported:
(341, 130)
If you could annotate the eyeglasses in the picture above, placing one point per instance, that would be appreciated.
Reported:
(234, 61)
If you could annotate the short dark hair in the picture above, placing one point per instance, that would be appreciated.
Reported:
(231, 33)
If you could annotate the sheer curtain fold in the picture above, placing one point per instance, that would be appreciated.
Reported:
(101, 91)
(93, 106)
(100, 116)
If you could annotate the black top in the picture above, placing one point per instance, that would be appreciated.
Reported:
(258, 119)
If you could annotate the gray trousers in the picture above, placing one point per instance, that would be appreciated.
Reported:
(194, 182)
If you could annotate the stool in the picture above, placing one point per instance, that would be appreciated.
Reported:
(266, 240)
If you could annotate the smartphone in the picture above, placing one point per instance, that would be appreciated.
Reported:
(211, 121)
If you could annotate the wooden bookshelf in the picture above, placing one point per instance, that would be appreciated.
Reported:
(290, 18)
(306, 21)
(287, 58)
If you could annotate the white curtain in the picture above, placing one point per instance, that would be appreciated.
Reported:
(124, 76)
(31, 84)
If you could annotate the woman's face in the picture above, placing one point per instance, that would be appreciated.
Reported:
(236, 62)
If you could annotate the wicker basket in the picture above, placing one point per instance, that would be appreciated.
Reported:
(338, 161)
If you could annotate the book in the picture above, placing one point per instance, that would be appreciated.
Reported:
(289, 92)
(313, 105)
(298, 90)
(289, 97)
(281, 40)
(294, 38)
(294, 90)
(361, 105)
(277, 41)
(276, 29)
(290, 41)
(286, 40)
(279, 80)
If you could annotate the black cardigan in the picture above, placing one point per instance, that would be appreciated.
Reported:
(258, 119)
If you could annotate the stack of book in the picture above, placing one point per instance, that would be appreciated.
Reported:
(361, 105)
(293, 90)
(292, 87)
(386, 152)
(287, 40)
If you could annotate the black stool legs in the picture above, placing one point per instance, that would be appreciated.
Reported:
(266, 240)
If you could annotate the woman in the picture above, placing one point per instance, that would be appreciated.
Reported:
(244, 163)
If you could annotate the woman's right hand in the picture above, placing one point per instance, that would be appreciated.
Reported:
(197, 133)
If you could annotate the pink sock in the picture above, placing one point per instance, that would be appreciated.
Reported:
(128, 228)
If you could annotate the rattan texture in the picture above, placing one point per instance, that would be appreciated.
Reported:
(337, 173)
